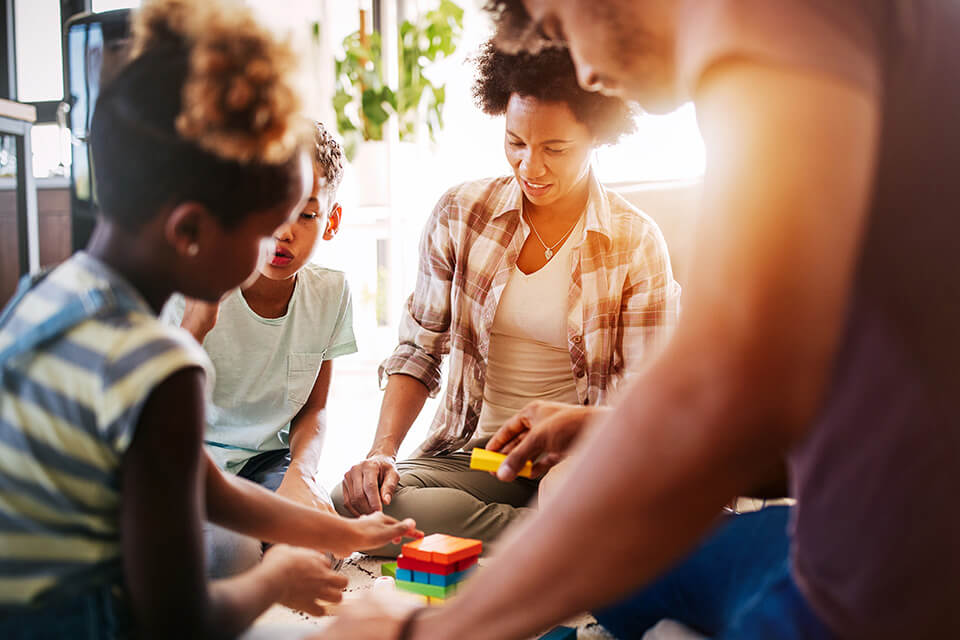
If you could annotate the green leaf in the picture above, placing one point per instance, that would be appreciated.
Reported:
(350, 144)
(341, 99)
(363, 102)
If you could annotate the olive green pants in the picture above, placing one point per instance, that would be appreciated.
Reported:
(444, 495)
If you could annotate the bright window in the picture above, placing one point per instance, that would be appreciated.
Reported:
(39, 63)
(110, 5)
(665, 147)
(51, 151)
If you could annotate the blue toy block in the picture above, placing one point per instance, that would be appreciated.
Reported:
(453, 578)
(405, 574)
(422, 577)
(560, 633)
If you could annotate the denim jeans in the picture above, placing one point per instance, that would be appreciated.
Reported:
(735, 585)
(95, 615)
(267, 469)
(228, 553)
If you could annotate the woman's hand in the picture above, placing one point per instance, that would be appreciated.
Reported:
(302, 577)
(199, 317)
(542, 431)
(375, 530)
(369, 485)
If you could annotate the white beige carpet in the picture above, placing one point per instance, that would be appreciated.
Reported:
(282, 623)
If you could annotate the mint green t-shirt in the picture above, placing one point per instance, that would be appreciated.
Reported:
(266, 367)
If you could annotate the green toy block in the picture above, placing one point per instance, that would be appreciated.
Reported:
(432, 590)
(389, 569)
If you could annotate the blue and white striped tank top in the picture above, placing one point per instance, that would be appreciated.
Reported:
(69, 404)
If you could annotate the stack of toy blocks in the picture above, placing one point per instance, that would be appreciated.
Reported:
(434, 566)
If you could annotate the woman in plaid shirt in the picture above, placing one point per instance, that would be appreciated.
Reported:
(544, 289)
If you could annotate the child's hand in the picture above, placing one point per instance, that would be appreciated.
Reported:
(199, 317)
(303, 577)
(380, 613)
(377, 529)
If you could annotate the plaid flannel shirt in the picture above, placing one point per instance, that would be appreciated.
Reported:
(623, 299)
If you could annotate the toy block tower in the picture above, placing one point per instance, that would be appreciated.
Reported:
(434, 566)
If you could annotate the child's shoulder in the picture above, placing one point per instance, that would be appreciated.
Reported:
(109, 358)
(116, 324)
(143, 333)
(321, 280)
(128, 333)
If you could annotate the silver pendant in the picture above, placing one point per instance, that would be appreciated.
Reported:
(548, 253)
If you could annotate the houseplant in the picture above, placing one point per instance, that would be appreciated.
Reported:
(364, 101)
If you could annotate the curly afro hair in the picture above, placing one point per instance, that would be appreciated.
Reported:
(206, 110)
(548, 75)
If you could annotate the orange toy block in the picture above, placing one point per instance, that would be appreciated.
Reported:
(442, 549)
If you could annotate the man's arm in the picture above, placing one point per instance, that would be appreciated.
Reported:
(307, 431)
(790, 165)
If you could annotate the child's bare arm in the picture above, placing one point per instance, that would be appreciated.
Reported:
(162, 475)
(162, 515)
(306, 441)
(248, 508)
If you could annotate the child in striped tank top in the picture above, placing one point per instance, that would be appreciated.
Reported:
(104, 485)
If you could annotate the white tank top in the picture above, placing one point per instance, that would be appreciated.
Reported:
(529, 358)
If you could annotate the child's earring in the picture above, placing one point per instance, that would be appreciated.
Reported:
(193, 249)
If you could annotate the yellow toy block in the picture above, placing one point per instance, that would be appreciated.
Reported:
(436, 602)
(484, 460)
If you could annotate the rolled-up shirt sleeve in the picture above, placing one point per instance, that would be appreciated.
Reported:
(650, 305)
(425, 324)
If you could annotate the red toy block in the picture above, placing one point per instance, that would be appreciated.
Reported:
(442, 549)
(404, 562)
(463, 565)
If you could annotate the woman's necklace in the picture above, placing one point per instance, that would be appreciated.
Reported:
(549, 250)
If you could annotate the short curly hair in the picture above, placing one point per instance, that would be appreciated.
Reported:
(550, 76)
(327, 156)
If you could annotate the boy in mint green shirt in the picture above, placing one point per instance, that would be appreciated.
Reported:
(272, 344)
